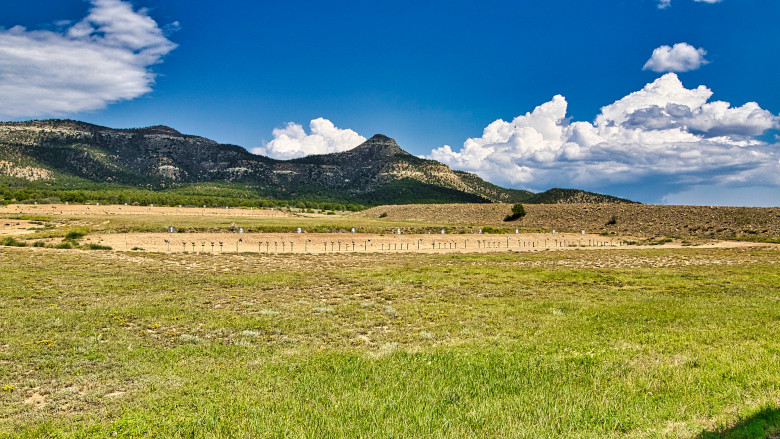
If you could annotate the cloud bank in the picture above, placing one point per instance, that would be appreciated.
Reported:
(292, 141)
(682, 57)
(84, 66)
(663, 139)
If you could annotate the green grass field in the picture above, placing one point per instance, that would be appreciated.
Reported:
(620, 343)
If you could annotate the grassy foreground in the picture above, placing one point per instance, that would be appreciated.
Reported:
(624, 343)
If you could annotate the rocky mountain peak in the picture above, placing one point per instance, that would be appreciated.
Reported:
(160, 129)
(377, 138)
(379, 146)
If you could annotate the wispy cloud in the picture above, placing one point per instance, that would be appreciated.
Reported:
(82, 66)
(292, 141)
(663, 4)
(682, 57)
(664, 137)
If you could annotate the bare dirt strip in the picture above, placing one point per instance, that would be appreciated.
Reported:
(317, 243)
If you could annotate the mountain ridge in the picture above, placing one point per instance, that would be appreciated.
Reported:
(378, 171)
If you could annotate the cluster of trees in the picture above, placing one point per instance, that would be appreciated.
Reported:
(518, 211)
(159, 198)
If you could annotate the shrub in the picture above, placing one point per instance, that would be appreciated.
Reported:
(98, 247)
(74, 235)
(11, 242)
(518, 211)
(64, 245)
(612, 220)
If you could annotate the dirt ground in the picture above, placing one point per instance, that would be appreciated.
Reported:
(344, 242)
(10, 227)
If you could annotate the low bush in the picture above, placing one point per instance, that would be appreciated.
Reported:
(75, 234)
(11, 242)
(97, 247)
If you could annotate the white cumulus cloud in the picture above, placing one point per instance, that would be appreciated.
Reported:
(292, 141)
(664, 137)
(682, 57)
(101, 59)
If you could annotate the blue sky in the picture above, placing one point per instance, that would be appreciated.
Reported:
(513, 91)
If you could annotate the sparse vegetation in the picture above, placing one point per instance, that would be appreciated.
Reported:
(630, 219)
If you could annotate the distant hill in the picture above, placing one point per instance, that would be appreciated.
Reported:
(69, 154)
(574, 196)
